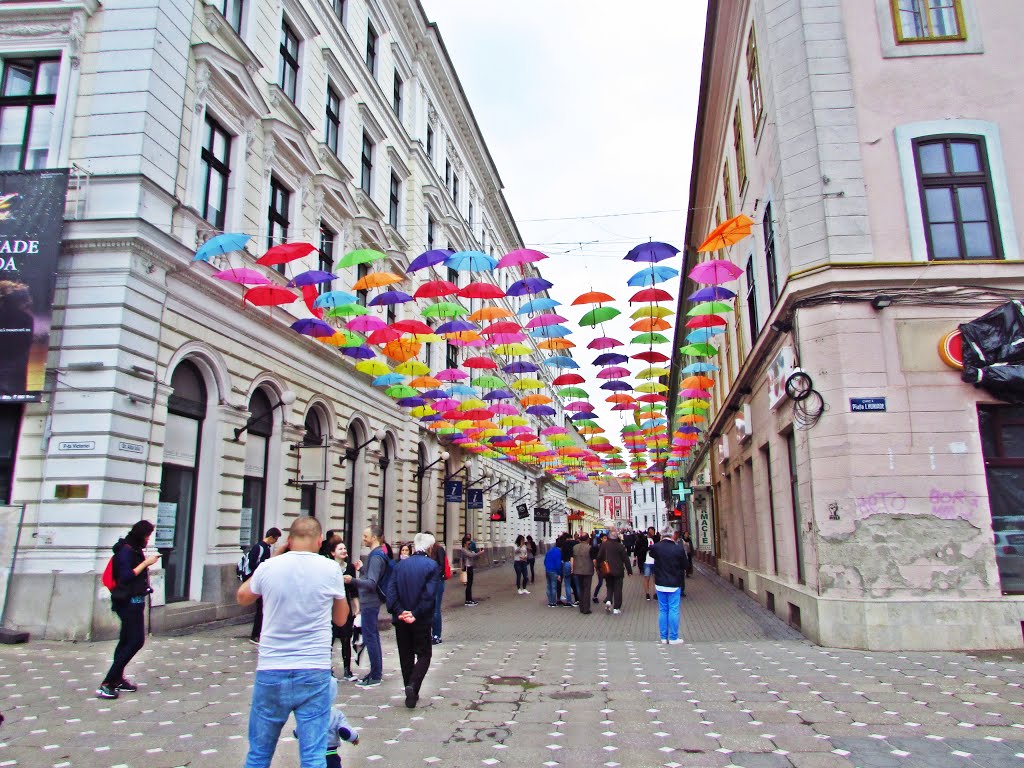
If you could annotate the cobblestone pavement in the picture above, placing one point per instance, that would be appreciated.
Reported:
(517, 683)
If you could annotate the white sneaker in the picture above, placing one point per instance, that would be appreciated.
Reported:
(519, 591)
(676, 642)
(607, 605)
(526, 591)
(616, 612)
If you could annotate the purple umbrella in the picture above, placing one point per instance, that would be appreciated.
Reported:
(521, 366)
(584, 415)
(616, 386)
(615, 372)
(310, 277)
(541, 410)
(434, 394)
(432, 417)
(359, 353)
(390, 297)
(610, 358)
(411, 402)
(455, 326)
(313, 327)
(428, 259)
(527, 286)
(498, 394)
(652, 252)
(712, 293)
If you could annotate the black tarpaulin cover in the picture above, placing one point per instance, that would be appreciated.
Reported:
(993, 349)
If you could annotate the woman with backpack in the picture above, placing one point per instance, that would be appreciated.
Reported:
(130, 570)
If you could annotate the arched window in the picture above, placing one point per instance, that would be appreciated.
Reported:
(313, 436)
(254, 475)
(186, 409)
(352, 493)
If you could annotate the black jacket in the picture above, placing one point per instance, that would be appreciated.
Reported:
(127, 584)
(640, 549)
(412, 586)
(670, 563)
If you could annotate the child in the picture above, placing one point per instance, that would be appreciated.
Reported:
(338, 730)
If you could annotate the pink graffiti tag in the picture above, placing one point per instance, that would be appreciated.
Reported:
(950, 504)
(882, 502)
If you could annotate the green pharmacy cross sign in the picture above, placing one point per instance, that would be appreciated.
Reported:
(682, 492)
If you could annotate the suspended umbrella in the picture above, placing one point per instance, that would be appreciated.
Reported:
(334, 299)
(488, 381)
(519, 257)
(481, 291)
(435, 289)
(729, 232)
(242, 276)
(538, 305)
(701, 335)
(512, 350)
(360, 256)
(434, 394)
(282, 254)
(567, 379)
(709, 308)
(429, 259)
(521, 366)
(693, 392)
(706, 321)
(651, 294)
(604, 342)
(535, 399)
(528, 285)
(550, 332)
(616, 386)
(425, 382)
(504, 409)
(479, 362)
(451, 374)
(699, 350)
(373, 368)
(269, 296)
(652, 386)
(471, 261)
(527, 383)
(614, 372)
(652, 373)
(387, 298)
(652, 276)
(455, 326)
(561, 361)
(401, 390)
(650, 338)
(547, 319)
(383, 335)
(620, 397)
(700, 368)
(599, 315)
(651, 310)
(610, 358)
(650, 324)
(465, 339)
(572, 392)
(498, 394)
(313, 327)
(691, 419)
(401, 350)
(651, 356)
(444, 309)
(501, 327)
(347, 310)
(715, 272)
(358, 352)
(376, 280)
(218, 245)
(652, 398)
(712, 293)
(487, 314)
(555, 344)
(412, 402)
(651, 252)
(411, 326)
(423, 411)
(592, 297)
(387, 379)
(413, 368)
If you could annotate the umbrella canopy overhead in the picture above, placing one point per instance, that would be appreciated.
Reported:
(242, 276)
(429, 259)
(360, 256)
(711, 293)
(651, 252)
(269, 295)
(538, 305)
(471, 261)
(652, 276)
(282, 254)
(599, 315)
(527, 286)
(519, 257)
(592, 297)
(435, 289)
(387, 298)
(604, 342)
(376, 280)
(218, 245)
(727, 233)
(651, 294)
(313, 327)
(331, 299)
(715, 272)
(481, 290)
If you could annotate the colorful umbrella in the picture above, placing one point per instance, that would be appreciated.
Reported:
(651, 310)
(386, 379)
(592, 297)
(566, 379)
(471, 261)
(334, 298)
(706, 321)
(599, 315)
(572, 392)
(359, 352)
(727, 233)
(444, 309)
(387, 298)
(374, 368)
(651, 252)
(521, 366)
(550, 332)
(376, 280)
(486, 314)
(218, 245)
(538, 305)
(479, 362)
(709, 308)
(652, 295)
(429, 259)
(456, 327)
(528, 285)
(412, 368)
(712, 293)
(519, 257)
(435, 289)
(700, 335)
(652, 373)
(561, 361)
(500, 328)
(653, 276)
(401, 350)
(616, 386)
(649, 338)
(613, 372)
(548, 319)
(604, 342)
(715, 272)
(313, 327)
(555, 344)
(700, 368)
(651, 356)
(360, 256)
(481, 291)
(400, 390)
(411, 326)
(269, 295)
(282, 254)
(512, 350)
(650, 324)
(699, 350)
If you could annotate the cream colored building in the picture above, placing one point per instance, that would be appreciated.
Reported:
(342, 124)
(876, 148)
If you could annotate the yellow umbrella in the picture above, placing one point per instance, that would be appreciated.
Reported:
(426, 338)
(471, 403)
(652, 386)
(648, 373)
(527, 383)
(691, 418)
(412, 367)
(513, 421)
(422, 410)
(372, 367)
(695, 402)
(512, 350)
(591, 430)
(651, 310)
(376, 280)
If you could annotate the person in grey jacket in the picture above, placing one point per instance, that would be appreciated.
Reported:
(370, 574)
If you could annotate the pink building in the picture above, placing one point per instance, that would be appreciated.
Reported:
(873, 143)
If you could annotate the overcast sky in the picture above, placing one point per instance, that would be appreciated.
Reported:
(588, 108)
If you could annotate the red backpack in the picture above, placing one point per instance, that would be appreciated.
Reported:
(108, 576)
(447, 568)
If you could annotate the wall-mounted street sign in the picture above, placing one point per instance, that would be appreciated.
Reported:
(76, 445)
(474, 498)
(867, 404)
(453, 492)
(542, 514)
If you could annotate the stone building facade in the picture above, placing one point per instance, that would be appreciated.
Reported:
(873, 147)
(339, 123)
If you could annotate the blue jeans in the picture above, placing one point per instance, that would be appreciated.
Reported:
(276, 694)
(567, 581)
(521, 574)
(552, 587)
(436, 625)
(668, 614)
(371, 639)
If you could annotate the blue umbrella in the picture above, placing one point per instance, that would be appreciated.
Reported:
(221, 244)
(610, 358)
(528, 285)
(702, 335)
(429, 259)
(653, 423)
(652, 252)
(700, 368)
(388, 380)
(616, 386)
(653, 275)
(498, 394)
(541, 410)
(359, 353)
(712, 293)
(332, 299)
(521, 366)
(538, 305)
(310, 277)
(461, 389)
(561, 361)
(471, 261)
(390, 297)
(550, 332)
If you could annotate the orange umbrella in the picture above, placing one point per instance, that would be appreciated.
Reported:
(620, 397)
(489, 313)
(555, 344)
(592, 297)
(727, 233)
(401, 350)
(649, 324)
(691, 419)
(376, 280)
(425, 382)
(535, 399)
(697, 382)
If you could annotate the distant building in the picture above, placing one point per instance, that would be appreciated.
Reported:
(648, 505)
(616, 503)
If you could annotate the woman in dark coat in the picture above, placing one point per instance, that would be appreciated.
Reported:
(613, 552)
(128, 601)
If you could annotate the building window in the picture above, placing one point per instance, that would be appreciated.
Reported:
(453, 274)
(430, 232)
(232, 10)
(393, 200)
(366, 164)
(448, 174)
(754, 82)
(928, 20)
(332, 122)
(794, 491)
(326, 256)
(430, 142)
(28, 95)
(339, 9)
(371, 48)
(768, 228)
(451, 356)
(469, 216)
(956, 198)
(396, 96)
(10, 426)
(737, 143)
(362, 270)
(455, 188)
(288, 67)
(277, 216)
(392, 313)
(751, 301)
(215, 158)
(730, 210)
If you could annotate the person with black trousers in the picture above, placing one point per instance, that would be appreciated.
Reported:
(343, 632)
(128, 601)
(260, 552)
(531, 559)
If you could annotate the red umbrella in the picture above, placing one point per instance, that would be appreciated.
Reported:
(282, 254)
(651, 356)
(651, 294)
(653, 398)
(383, 336)
(411, 326)
(705, 321)
(504, 327)
(435, 289)
(474, 414)
(480, 362)
(269, 295)
(481, 291)
(604, 342)
(566, 379)
(310, 294)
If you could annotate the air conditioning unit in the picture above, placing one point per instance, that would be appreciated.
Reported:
(744, 427)
(723, 450)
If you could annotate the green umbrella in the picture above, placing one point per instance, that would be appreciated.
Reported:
(650, 338)
(653, 408)
(444, 309)
(401, 390)
(599, 315)
(699, 350)
(631, 428)
(346, 310)
(586, 423)
(488, 382)
(572, 392)
(351, 339)
(709, 308)
(361, 256)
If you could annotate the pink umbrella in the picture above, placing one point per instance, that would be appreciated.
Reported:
(553, 431)
(627, 407)
(519, 430)
(579, 405)
(505, 409)
(542, 320)
(365, 324)
(507, 338)
(447, 404)
(714, 272)
(467, 343)
(451, 374)
(519, 257)
(614, 372)
(242, 276)
(695, 393)
(604, 342)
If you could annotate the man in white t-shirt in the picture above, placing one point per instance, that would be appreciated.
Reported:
(302, 593)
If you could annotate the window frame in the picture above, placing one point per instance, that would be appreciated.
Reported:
(952, 180)
(325, 254)
(209, 164)
(455, 188)
(281, 218)
(225, 6)
(289, 61)
(770, 256)
(332, 119)
(338, 6)
(754, 82)
(398, 83)
(366, 159)
(394, 199)
(430, 142)
(372, 50)
(751, 299)
(31, 102)
(897, 23)
(739, 150)
(730, 205)
(431, 232)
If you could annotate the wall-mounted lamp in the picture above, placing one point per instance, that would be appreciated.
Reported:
(882, 301)
(377, 436)
(421, 471)
(287, 398)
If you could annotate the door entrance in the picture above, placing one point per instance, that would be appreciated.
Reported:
(1002, 444)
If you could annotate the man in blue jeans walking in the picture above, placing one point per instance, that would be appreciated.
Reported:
(302, 593)
(371, 573)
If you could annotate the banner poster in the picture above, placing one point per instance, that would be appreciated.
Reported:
(498, 510)
(453, 492)
(31, 220)
(523, 511)
(542, 514)
(474, 498)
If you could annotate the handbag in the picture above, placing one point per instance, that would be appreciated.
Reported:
(463, 576)
(605, 568)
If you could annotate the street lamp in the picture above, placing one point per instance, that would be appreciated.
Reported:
(287, 398)
(352, 453)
